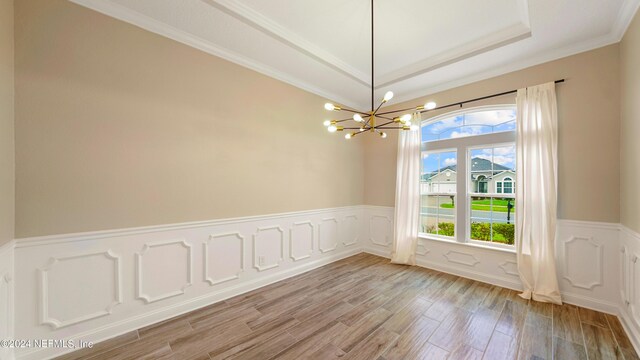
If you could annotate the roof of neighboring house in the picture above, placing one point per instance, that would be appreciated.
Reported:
(477, 164)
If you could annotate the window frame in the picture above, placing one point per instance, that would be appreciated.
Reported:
(463, 146)
(455, 215)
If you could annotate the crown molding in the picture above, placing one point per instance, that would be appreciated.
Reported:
(626, 14)
(479, 46)
(542, 58)
(262, 23)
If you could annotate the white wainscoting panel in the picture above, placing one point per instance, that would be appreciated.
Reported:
(587, 256)
(629, 275)
(102, 284)
(381, 228)
(6, 297)
(301, 239)
(328, 235)
(223, 258)
(268, 248)
(93, 276)
(172, 259)
(350, 230)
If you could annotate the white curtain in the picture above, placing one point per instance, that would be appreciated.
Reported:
(536, 193)
(407, 212)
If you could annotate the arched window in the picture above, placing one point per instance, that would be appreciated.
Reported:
(505, 186)
(468, 172)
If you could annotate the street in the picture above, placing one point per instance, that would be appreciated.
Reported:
(476, 215)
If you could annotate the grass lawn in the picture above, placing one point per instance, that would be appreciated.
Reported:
(485, 205)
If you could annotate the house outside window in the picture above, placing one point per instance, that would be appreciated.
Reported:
(467, 177)
(505, 186)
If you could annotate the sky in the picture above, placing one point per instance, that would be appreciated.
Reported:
(477, 123)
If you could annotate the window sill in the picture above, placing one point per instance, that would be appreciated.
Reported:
(470, 244)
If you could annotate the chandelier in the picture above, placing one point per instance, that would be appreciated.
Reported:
(374, 121)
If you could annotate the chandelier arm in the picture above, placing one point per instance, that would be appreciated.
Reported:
(402, 110)
(387, 123)
(389, 128)
(378, 108)
(357, 133)
(384, 117)
(355, 111)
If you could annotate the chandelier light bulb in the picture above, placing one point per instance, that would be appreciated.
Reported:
(430, 105)
(358, 118)
(362, 128)
(407, 123)
(332, 128)
(329, 106)
(388, 96)
(347, 136)
(383, 135)
(406, 117)
(326, 123)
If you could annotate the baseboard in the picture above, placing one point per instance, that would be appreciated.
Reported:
(502, 282)
(631, 329)
(137, 322)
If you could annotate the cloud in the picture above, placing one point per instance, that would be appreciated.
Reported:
(491, 117)
(450, 161)
(467, 131)
(444, 124)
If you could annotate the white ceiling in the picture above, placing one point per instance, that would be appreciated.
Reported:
(422, 46)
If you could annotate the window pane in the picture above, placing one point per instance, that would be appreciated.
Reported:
(469, 124)
(439, 172)
(438, 189)
(437, 215)
(493, 219)
(492, 169)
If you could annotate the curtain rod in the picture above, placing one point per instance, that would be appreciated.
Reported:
(464, 102)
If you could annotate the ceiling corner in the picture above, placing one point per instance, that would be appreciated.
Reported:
(625, 16)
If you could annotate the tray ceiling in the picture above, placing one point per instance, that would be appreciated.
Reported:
(421, 46)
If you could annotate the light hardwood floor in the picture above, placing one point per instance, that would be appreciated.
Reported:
(363, 307)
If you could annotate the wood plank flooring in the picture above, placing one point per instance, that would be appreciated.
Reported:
(363, 307)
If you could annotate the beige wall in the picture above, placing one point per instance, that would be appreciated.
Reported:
(7, 167)
(118, 127)
(589, 133)
(630, 127)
